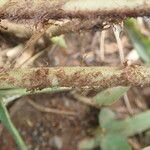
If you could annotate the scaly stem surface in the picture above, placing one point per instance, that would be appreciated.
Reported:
(74, 77)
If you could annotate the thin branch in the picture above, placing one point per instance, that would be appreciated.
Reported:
(51, 110)
(74, 77)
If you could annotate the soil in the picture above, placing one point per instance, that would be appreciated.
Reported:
(47, 131)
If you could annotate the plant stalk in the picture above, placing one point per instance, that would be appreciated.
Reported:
(74, 77)
(60, 9)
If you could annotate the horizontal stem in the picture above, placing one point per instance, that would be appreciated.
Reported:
(60, 9)
(74, 77)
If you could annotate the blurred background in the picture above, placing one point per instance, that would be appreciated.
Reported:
(126, 43)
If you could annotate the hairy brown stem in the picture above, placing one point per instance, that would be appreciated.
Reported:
(60, 9)
(74, 77)
(69, 15)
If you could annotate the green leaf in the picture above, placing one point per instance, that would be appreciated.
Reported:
(115, 142)
(137, 124)
(5, 119)
(127, 127)
(141, 42)
(89, 144)
(9, 95)
(2, 2)
(147, 148)
(110, 95)
(106, 116)
(59, 40)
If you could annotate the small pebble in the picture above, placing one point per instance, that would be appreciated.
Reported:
(35, 133)
(56, 142)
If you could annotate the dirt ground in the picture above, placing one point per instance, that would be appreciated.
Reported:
(52, 131)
